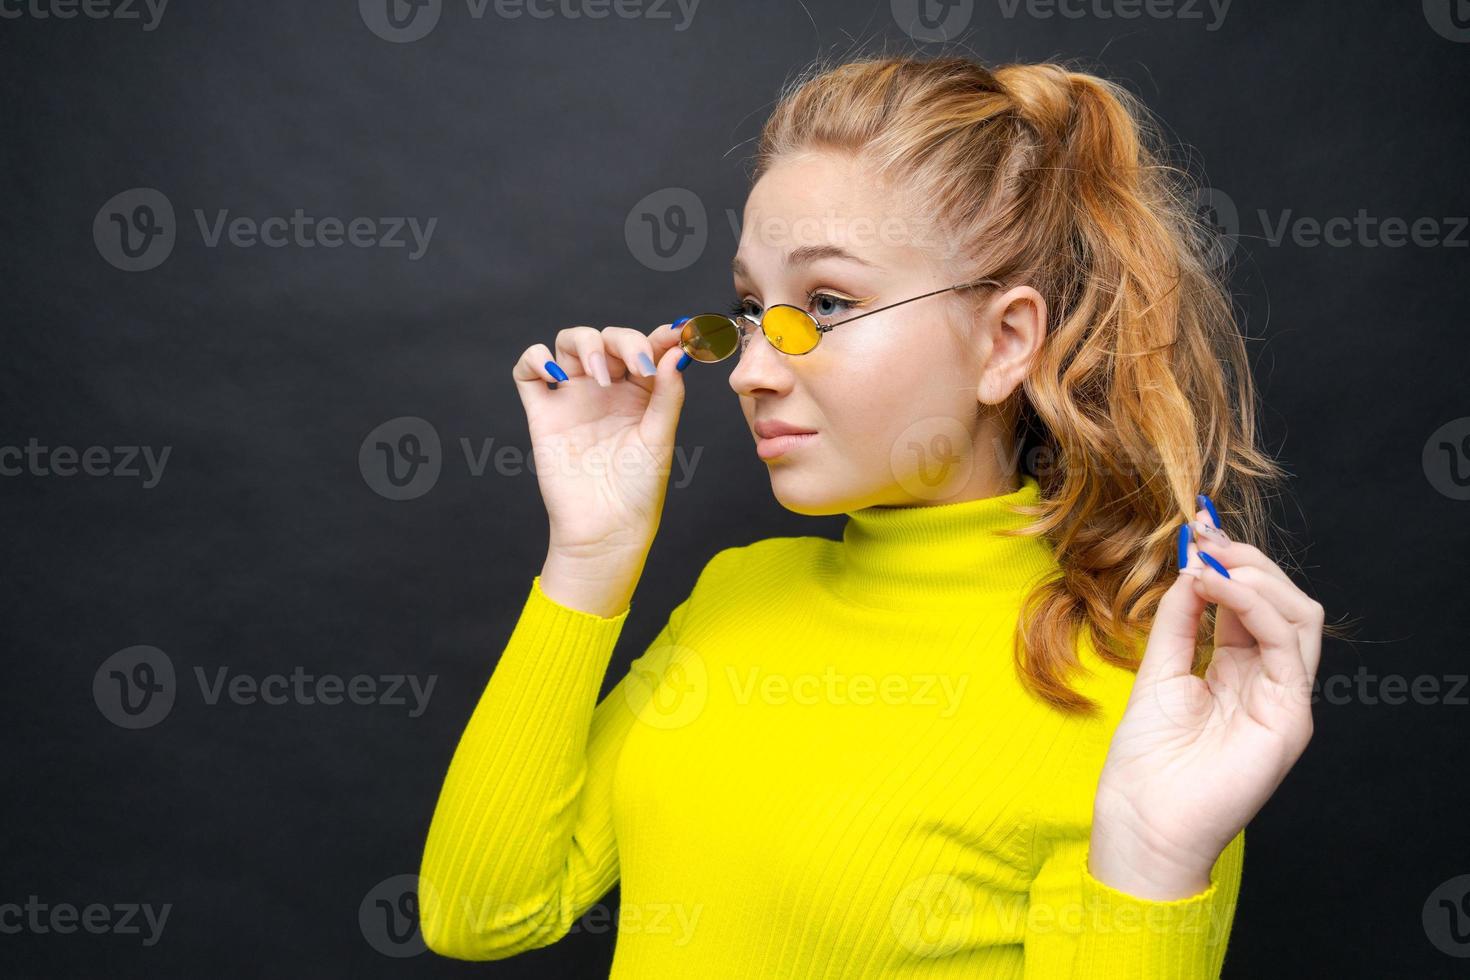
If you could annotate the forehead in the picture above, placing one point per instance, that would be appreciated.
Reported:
(814, 200)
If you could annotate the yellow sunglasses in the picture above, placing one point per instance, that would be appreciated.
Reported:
(711, 337)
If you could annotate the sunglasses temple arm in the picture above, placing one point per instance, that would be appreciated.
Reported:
(963, 285)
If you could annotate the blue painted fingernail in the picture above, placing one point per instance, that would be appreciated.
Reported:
(678, 323)
(1209, 560)
(1183, 537)
(1202, 501)
(647, 362)
(684, 360)
(556, 371)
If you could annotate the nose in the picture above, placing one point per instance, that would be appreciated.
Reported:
(761, 369)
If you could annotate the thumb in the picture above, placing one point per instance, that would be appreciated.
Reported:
(1171, 640)
(661, 417)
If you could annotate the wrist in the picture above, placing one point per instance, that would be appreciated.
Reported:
(600, 586)
(1150, 882)
(1144, 866)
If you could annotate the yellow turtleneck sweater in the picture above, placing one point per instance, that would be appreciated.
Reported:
(823, 766)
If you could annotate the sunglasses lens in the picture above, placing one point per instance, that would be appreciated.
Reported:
(709, 337)
(790, 330)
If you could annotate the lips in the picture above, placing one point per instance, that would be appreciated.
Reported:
(772, 428)
(776, 438)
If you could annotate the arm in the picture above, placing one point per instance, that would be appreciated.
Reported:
(521, 842)
(1077, 927)
(1192, 761)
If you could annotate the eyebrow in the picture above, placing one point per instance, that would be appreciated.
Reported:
(806, 255)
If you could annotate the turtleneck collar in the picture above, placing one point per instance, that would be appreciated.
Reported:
(942, 554)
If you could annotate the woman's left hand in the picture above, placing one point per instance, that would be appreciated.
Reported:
(1193, 760)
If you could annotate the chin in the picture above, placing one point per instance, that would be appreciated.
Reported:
(808, 489)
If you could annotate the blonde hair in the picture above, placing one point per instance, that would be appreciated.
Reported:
(1142, 392)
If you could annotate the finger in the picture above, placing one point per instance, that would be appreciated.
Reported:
(1229, 631)
(661, 417)
(663, 337)
(1277, 638)
(630, 355)
(530, 370)
(1220, 545)
(1174, 634)
(1299, 609)
(574, 345)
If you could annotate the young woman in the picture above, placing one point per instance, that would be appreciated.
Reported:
(976, 737)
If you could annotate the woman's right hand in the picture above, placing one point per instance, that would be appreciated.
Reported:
(603, 445)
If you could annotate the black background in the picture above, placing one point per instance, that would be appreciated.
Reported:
(264, 548)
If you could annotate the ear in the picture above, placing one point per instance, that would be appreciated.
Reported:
(1013, 327)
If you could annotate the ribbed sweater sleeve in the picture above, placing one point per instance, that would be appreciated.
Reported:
(1080, 928)
(521, 841)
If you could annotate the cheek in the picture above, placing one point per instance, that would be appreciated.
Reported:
(887, 380)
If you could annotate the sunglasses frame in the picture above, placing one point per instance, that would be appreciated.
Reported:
(822, 328)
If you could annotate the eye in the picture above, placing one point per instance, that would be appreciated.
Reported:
(745, 307)
(827, 305)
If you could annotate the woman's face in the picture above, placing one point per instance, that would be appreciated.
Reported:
(899, 401)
